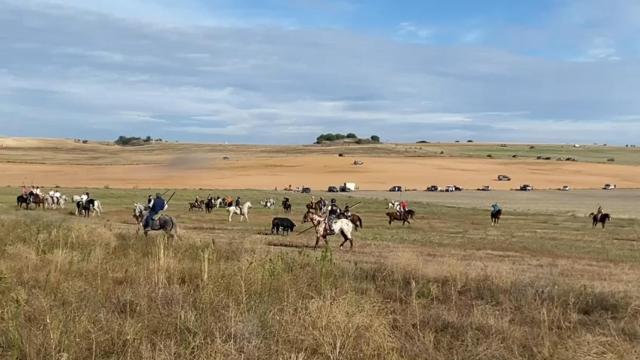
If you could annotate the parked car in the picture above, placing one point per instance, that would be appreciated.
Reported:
(457, 188)
(526, 187)
(565, 188)
(433, 188)
(484, 188)
(395, 188)
(609, 186)
(332, 189)
(504, 178)
(306, 190)
(449, 188)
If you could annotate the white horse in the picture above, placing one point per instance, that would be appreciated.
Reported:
(243, 211)
(268, 203)
(51, 202)
(218, 203)
(343, 227)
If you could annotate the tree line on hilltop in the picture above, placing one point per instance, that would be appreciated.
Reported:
(329, 137)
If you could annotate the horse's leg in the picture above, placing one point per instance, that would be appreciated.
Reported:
(317, 241)
(345, 238)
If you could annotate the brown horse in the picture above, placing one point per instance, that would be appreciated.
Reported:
(394, 216)
(315, 206)
(356, 220)
(198, 205)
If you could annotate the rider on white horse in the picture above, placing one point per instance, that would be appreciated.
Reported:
(334, 211)
(239, 205)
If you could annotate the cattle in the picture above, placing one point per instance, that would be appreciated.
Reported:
(282, 223)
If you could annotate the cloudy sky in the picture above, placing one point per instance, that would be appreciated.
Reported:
(283, 71)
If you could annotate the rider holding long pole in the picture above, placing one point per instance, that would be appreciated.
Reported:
(157, 207)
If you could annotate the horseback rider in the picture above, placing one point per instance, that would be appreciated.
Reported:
(599, 212)
(157, 206)
(495, 207)
(323, 203)
(239, 205)
(56, 197)
(347, 212)
(84, 197)
(404, 206)
(334, 211)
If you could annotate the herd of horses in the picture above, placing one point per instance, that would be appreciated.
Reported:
(46, 201)
(316, 214)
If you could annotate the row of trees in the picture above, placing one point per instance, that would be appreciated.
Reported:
(134, 140)
(350, 136)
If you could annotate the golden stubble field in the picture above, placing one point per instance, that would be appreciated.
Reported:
(64, 163)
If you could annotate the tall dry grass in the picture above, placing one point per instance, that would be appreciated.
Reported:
(84, 292)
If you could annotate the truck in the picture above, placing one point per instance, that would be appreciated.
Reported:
(348, 187)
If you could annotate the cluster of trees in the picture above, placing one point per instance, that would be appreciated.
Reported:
(350, 136)
(134, 140)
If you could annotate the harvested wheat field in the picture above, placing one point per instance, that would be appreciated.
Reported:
(64, 163)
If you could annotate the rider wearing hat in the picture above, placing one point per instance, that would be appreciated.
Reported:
(334, 211)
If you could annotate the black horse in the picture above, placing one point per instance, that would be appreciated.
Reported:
(286, 205)
(23, 199)
(602, 219)
(209, 205)
(85, 209)
(495, 216)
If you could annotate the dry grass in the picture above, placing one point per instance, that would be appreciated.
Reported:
(73, 290)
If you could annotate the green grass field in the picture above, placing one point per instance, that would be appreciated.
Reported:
(539, 286)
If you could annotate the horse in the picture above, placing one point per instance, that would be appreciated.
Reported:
(163, 223)
(395, 216)
(209, 205)
(317, 206)
(286, 206)
(243, 211)
(49, 202)
(602, 219)
(38, 200)
(495, 217)
(89, 207)
(356, 220)
(23, 199)
(343, 227)
(196, 205)
(268, 203)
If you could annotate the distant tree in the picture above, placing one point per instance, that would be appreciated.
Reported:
(469, 141)
(375, 138)
(148, 139)
(352, 136)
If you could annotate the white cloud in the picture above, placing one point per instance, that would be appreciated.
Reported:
(268, 84)
(410, 30)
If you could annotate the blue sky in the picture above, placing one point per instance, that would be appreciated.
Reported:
(283, 71)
